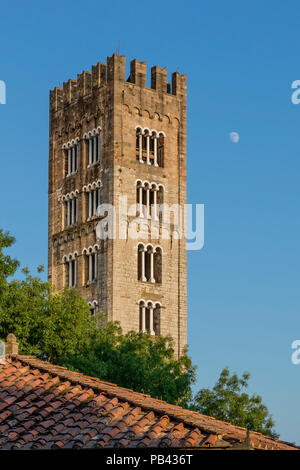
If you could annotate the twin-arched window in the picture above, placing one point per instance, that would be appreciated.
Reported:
(93, 198)
(149, 263)
(91, 263)
(150, 146)
(92, 146)
(149, 320)
(70, 262)
(71, 152)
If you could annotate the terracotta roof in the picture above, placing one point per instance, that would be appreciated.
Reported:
(43, 406)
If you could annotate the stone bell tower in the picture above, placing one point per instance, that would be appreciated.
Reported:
(114, 139)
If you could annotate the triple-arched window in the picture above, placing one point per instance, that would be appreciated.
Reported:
(149, 317)
(70, 202)
(149, 263)
(149, 196)
(150, 146)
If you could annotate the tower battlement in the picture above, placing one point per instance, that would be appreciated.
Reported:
(103, 74)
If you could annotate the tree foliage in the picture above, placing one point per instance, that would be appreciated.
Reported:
(138, 361)
(228, 401)
(46, 323)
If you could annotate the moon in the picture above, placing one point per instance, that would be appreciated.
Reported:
(234, 137)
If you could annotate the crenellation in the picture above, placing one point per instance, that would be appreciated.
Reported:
(138, 73)
(159, 79)
(99, 75)
(69, 91)
(84, 81)
(115, 68)
(56, 98)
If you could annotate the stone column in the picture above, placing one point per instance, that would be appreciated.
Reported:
(74, 210)
(144, 279)
(72, 159)
(90, 266)
(155, 204)
(69, 161)
(143, 319)
(148, 202)
(90, 151)
(95, 203)
(75, 271)
(155, 151)
(70, 273)
(69, 208)
(90, 204)
(151, 321)
(141, 201)
(152, 267)
(141, 148)
(148, 149)
(96, 262)
(94, 148)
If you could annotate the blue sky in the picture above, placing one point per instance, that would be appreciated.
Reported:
(240, 59)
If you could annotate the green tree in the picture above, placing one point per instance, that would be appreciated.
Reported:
(46, 323)
(138, 361)
(229, 402)
(8, 265)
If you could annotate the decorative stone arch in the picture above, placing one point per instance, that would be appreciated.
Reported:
(91, 186)
(92, 139)
(149, 144)
(149, 316)
(149, 263)
(70, 269)
(90, 264)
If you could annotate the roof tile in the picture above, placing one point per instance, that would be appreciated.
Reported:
(44, 406)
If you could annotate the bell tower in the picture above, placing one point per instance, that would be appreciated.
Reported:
(114, 141)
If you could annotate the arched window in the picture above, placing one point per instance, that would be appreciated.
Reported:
(149, 317)
(150, 146)
(149, 264)
(91, 264)
(92, 145)
(71, 152)
(70, 262)
(92, 198)
(70, 207)
(148, 198)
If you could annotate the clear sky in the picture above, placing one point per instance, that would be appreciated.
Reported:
(240, 59)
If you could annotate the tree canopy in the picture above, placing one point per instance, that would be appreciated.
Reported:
(229, 402)
(139, 361)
